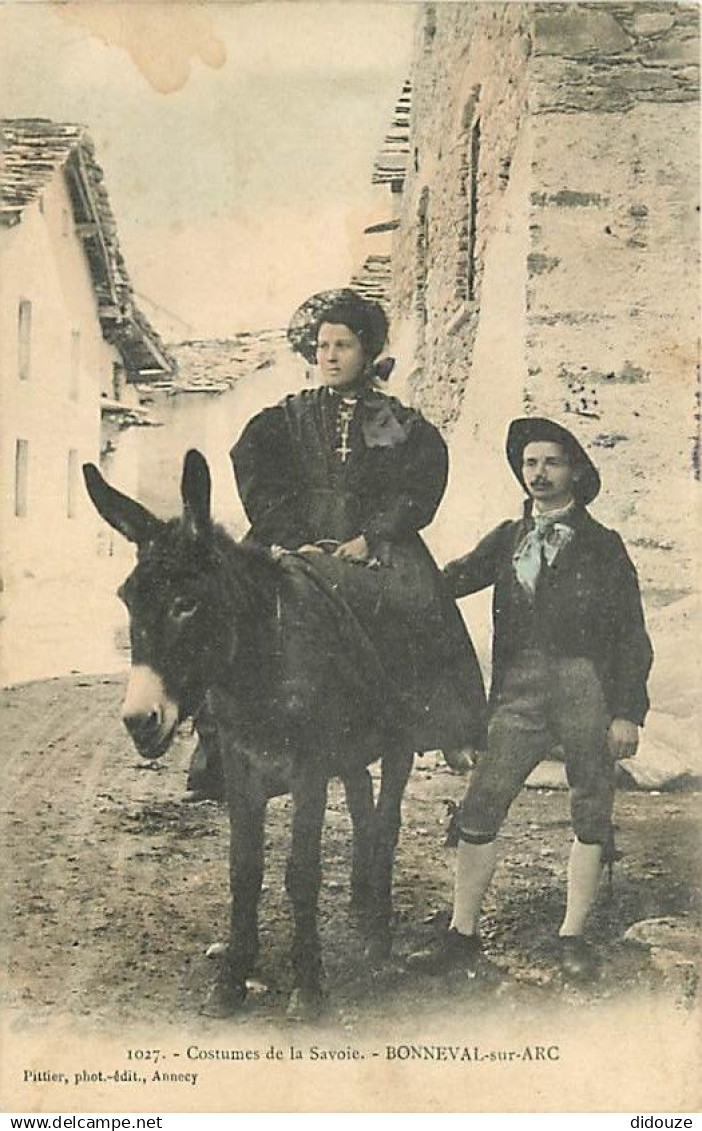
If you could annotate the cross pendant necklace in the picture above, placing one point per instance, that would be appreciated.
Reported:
(346, 412)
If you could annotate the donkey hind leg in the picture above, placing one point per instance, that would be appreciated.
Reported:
(247, 811)
(395, 770)
(303, 880)
(359, 799)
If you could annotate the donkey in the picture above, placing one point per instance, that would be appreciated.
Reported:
(207, 621)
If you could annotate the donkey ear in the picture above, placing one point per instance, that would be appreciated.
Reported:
(122, 513)
(195, 490)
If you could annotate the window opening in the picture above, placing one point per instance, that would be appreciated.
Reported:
(468, 231)
(21, 477)
(72, 483)
(24, 332)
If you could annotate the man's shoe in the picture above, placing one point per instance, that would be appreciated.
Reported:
(452, 952)
(578, 959)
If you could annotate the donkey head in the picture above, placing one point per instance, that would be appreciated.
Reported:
(176, 621)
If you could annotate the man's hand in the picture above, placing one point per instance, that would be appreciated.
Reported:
(622, 739)
(356, 549)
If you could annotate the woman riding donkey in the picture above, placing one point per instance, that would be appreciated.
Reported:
(324, 645)
(345, 477)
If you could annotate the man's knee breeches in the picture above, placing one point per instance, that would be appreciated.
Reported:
(491, 792)
(487, 800)
(544, 703)
(592, 799)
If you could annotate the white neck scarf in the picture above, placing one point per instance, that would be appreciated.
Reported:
(542, 544)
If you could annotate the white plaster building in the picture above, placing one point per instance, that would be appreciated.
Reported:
(71, 341)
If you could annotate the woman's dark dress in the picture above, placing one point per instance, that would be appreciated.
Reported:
(303, 477)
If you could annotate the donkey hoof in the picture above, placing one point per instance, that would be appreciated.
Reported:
(305, 1004)
(224, 1000)
(377, 950)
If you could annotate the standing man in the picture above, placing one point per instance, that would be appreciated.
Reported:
(571, 657)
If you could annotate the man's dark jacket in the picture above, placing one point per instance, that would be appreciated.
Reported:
(587, 603)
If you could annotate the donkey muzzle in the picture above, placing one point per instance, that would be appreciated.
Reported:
(149, 714)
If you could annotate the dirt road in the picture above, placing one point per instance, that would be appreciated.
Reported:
(115, 887)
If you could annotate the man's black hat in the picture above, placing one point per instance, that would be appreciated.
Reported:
(366, 318)
(527, 429)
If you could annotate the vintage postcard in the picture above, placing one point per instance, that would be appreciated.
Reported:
(403, 280)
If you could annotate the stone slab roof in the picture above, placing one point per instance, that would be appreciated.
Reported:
(215, 365)
(32, 152)
(374, 278)
(392, 161)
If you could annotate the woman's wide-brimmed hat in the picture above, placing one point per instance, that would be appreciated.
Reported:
(362, 315)
(527, 429)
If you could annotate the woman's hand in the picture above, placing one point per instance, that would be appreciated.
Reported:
(623, 739)
(461, 759)
(356, 549)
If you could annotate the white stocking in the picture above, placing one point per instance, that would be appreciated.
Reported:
(584, 869)
(475, 864)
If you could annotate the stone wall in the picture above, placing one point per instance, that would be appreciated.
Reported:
(469, 97)
(613, 264)
(547, 255)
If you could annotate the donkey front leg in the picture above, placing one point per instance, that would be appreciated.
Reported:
(303, 879)
(395, 770)
(247, 810)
